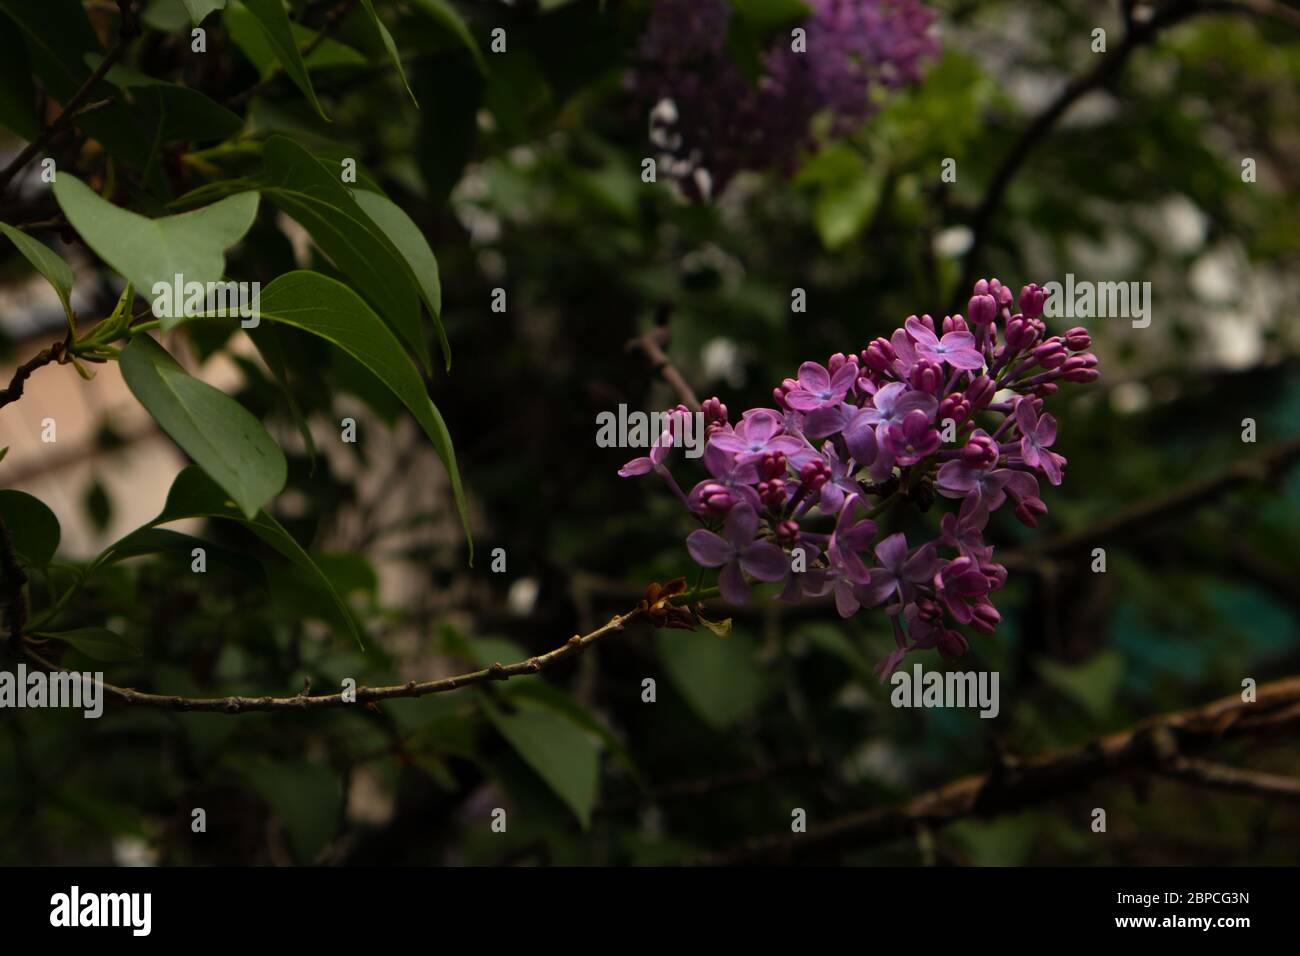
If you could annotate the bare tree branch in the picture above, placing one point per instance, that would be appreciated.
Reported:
(129, 29)
(1015, 784)
(653, 344)
(235, 704)
(1145, 515)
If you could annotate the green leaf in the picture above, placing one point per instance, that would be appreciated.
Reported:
(97, 643)
(274, 21)
(201, 8)
(1092, 684)
(563, 754)
(252, 41)
(149, 251)
(315, 196)
(147, 541)
(414, 249)
(183, 113)
(267, 342)
(226, 440)
(387, 39)
(33, 529)
(845, 193)
(718, 676)
(768, 15)
(58, 36)
(307, 797)
(329, 309)
(194, 495)
(442, 12)
(17, 91)
(57, 272)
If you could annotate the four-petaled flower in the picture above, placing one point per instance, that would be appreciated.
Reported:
(898, 572)
(956, 348)
(1038, 434)
(737, 553)
(819, 389)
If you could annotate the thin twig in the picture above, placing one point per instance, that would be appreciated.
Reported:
(331, 21)
(235, 704)
(1146, 515)
(129, 29)
(652, 344)
(45, 357)
(1016, 784)
(1138, 34)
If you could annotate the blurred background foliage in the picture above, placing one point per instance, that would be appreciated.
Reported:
(523, 170)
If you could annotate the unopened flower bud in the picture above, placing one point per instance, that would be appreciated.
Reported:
(717, 498)
(814, 474)
(985, 617)
(982, 309)
(714, 410)
(1029, 510)
(926, 376)
(879, 356)
(954, 323)
(952, 645)
(1077, 339)
(1032, 298)
(772, 465)
(980, 452)
(1051, 353)
(772, 493)
(980, 392)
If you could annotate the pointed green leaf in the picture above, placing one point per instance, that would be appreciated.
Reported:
(226, 440)
(147, 251)
(57, 272)
(329, 309)
(194, 495)
(177, 112)
(33, 529)
(199, 9)
(387, 39)
(440, 11)
(252, 41)
(97, 643)
(414, 248)
(562, 753)
(274, 21)
(315, 196)
(17, 91)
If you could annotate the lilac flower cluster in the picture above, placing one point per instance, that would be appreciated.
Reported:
(850, 439)
(710, 122)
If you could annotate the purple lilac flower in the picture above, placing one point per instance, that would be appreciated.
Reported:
(899, 572)
(819, 389)
(737, 553)
(1038, 435)
(709, 121)
(759, 433)
(956, 348)
(769, 490)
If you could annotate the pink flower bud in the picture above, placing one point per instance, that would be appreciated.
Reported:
(1032, 298)
(953, 645)
(772, 493)
(926, 376)
(980, 452)
(1029, 510)
(982, 309)
(985, 617)
(772, 465)
(1077, 339)
(714, 410)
